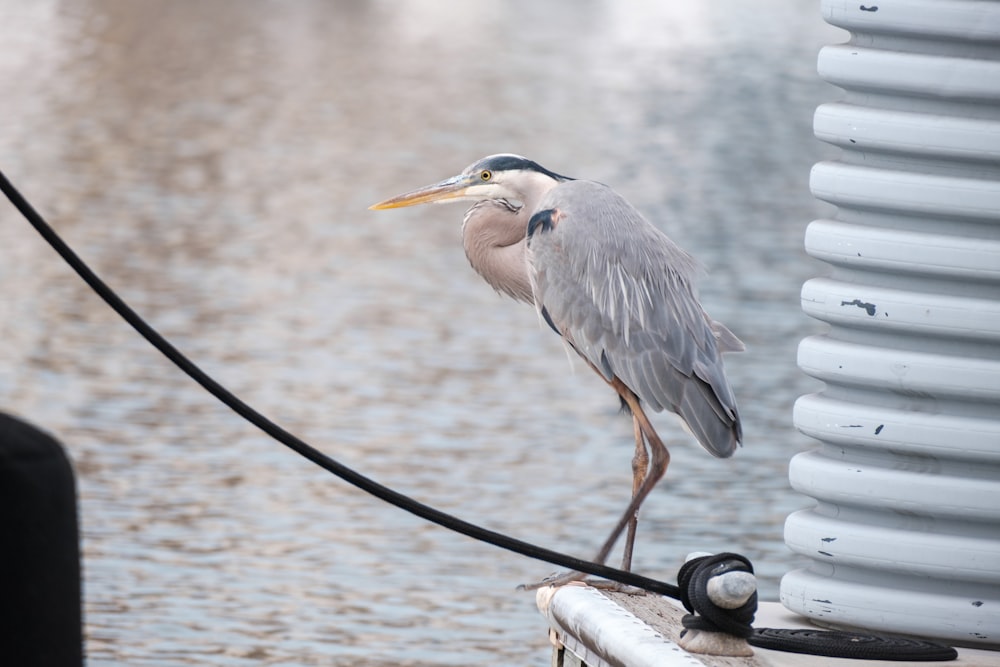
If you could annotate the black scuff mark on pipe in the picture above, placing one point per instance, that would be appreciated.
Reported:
(868, 307)
(878, 429)
(872, 9)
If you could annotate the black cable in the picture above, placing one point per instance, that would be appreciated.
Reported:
(301, 447)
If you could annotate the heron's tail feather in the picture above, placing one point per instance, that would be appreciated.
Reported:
(726, 339)
(715, 426)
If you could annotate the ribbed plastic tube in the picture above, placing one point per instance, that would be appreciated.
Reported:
(905, 534)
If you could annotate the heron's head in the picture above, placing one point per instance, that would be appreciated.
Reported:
(509, 177)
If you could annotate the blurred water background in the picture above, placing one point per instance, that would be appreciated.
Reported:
(214, 162)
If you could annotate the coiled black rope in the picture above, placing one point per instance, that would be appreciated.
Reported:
(693, 577)
(705, 615)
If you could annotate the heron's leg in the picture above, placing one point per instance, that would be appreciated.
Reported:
(659, 459)
(640, 467)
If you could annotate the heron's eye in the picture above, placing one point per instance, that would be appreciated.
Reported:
(485, 175)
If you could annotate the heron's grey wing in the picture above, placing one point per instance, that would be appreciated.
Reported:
(621, 293)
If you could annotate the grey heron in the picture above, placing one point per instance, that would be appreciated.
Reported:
(614, 287)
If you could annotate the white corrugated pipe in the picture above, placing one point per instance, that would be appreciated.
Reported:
(905, 535)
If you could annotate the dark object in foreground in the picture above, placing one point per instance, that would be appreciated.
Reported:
(40, 611)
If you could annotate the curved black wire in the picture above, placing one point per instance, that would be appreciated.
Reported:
(296, 444)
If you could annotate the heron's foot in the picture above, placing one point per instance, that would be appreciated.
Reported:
(567, 578)
(616, 586)
(554, 580)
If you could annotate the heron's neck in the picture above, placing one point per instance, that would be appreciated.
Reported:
(494, 238)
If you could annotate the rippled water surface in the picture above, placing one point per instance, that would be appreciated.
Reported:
(214, 162)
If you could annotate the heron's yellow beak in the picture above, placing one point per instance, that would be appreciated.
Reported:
(449, 189)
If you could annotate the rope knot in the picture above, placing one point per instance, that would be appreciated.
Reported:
(720, 592)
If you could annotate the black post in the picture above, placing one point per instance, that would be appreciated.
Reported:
(40, 595)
